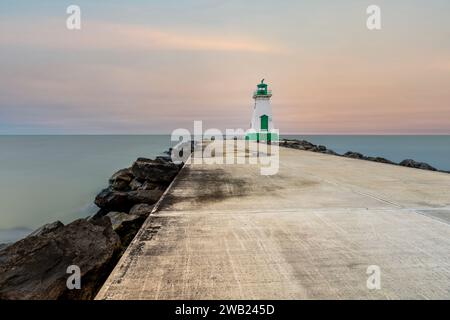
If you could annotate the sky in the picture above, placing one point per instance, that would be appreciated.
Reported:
(147, 67)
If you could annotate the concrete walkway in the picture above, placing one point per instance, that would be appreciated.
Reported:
(309, 232)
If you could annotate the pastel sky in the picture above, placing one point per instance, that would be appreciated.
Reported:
(141, 67)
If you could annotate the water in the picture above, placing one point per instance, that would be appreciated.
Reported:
(435, 150)
(48, 178)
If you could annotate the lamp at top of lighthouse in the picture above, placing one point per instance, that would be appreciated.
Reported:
(262, 91)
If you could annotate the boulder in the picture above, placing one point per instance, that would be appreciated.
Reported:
(308, 145)
(354, 155)
(418, 165)
(301, 145)
(144, 196)
(118, 218)
(165, 158)
(142, 210)
(145, 185)
(168, 152)
(151, 186)
(126, 226)
(293, 145)
(36, 267)
(120, 180)
(157, 171)
(111, 200)
(329, 151)
(47, 228)
(99, 214)
(135, 184)
(380, 160)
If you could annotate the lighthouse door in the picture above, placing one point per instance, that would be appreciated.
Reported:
(264, 122)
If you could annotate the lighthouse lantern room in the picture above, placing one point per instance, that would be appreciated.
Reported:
(262, 124)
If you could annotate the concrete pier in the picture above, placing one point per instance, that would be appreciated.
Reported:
(309, 232)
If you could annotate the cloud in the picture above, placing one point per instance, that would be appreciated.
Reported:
(52, 34)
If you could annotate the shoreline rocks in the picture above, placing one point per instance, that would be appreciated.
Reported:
(159, 171)
(418, 165)
(120, 180)
(142, 209)
(36, 266)
(308, 146)
(110, 200)
(47, 228)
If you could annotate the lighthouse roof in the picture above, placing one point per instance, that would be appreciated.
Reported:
(262, 90)
(262, 84)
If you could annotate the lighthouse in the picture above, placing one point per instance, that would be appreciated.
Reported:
(262, 127)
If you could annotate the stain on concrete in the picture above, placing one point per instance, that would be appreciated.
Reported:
(220, 186)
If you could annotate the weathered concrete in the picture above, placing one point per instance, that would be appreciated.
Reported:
(311, 231)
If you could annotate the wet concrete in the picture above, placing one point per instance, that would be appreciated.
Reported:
(309, 232)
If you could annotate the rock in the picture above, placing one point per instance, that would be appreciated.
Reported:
(328, 151)
(165, 158)
(418, 165)
(168, 152)
(36, 267)
(158, 171)
(118, 218)
(146, 185)
(120, 180)
(141, 209)
(99, 214)
(380, 160)
(144, 196)
(354, 155)
(126, 226)
(47, 228)
(300, 145)
(292, 144)
(135, 184)
(111, 200)
(322, 148)
(151, 186)
(307, 145)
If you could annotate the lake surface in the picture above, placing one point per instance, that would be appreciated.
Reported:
(49, 178)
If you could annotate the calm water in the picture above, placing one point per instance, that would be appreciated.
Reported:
(48, 178)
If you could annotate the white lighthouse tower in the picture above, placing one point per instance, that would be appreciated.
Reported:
(262, 127)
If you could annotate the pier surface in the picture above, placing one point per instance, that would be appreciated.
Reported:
(309, 232)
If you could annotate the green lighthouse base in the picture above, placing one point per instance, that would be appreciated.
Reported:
(262, 136)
